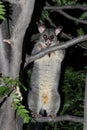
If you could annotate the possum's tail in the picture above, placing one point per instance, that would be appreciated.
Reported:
(43, 112)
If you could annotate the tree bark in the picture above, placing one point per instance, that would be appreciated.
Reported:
(18, 36)
(85, 106)
(4, 63)
(8, 118)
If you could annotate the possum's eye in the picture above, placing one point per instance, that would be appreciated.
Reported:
(45, 37)
(51, 37)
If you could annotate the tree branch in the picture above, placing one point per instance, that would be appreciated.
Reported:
(58, 119)
(65, 45)
(71, 17)
(85, 106)
(65, 7)
(67, 15)
(12, 1)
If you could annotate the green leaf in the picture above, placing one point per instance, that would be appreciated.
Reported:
(84, 15)
(2, 11)
(4, 91)
(2, 17)
(11, 82)
(25, 89)
(45, 14)
(21, 107)
(16, 100)
(80, 31)
(23, 111)
(27, 119)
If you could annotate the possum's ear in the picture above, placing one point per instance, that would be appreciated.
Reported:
(58, 30)
(41, 28)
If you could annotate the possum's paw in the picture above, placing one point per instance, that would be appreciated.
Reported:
(35, 115)
(52, 115)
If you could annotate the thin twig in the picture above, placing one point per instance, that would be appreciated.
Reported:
(58, 119)
(67, 15)
(50, 21)
(71, 17)
(64, 35)
(82, 46)
(65, 7)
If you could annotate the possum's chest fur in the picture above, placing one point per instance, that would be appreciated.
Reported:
(47, 70)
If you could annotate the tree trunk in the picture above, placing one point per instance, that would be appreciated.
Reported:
(4, 65)
(20, 22)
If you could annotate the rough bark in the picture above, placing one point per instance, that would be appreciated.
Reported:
(7, 116)
(18, 36)
(8, 120)
(85, 106)
(4, 65)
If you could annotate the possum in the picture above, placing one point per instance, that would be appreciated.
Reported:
(43, 97)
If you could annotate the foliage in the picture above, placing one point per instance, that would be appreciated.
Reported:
(4, 91)
(2, 11)
(73, 95)
(45, 15)
(21, 110)
(73, 87)
(17, 102)
(80, 31)
(82, 15)
(65, 2)
(7, 86)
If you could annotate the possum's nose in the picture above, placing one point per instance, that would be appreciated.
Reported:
(48, 42)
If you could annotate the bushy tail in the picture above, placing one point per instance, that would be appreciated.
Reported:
(43, 112)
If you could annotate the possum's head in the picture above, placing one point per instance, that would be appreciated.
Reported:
(48, 36)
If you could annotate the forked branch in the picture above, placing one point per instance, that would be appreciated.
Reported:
(60, 10)
(63, 45)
